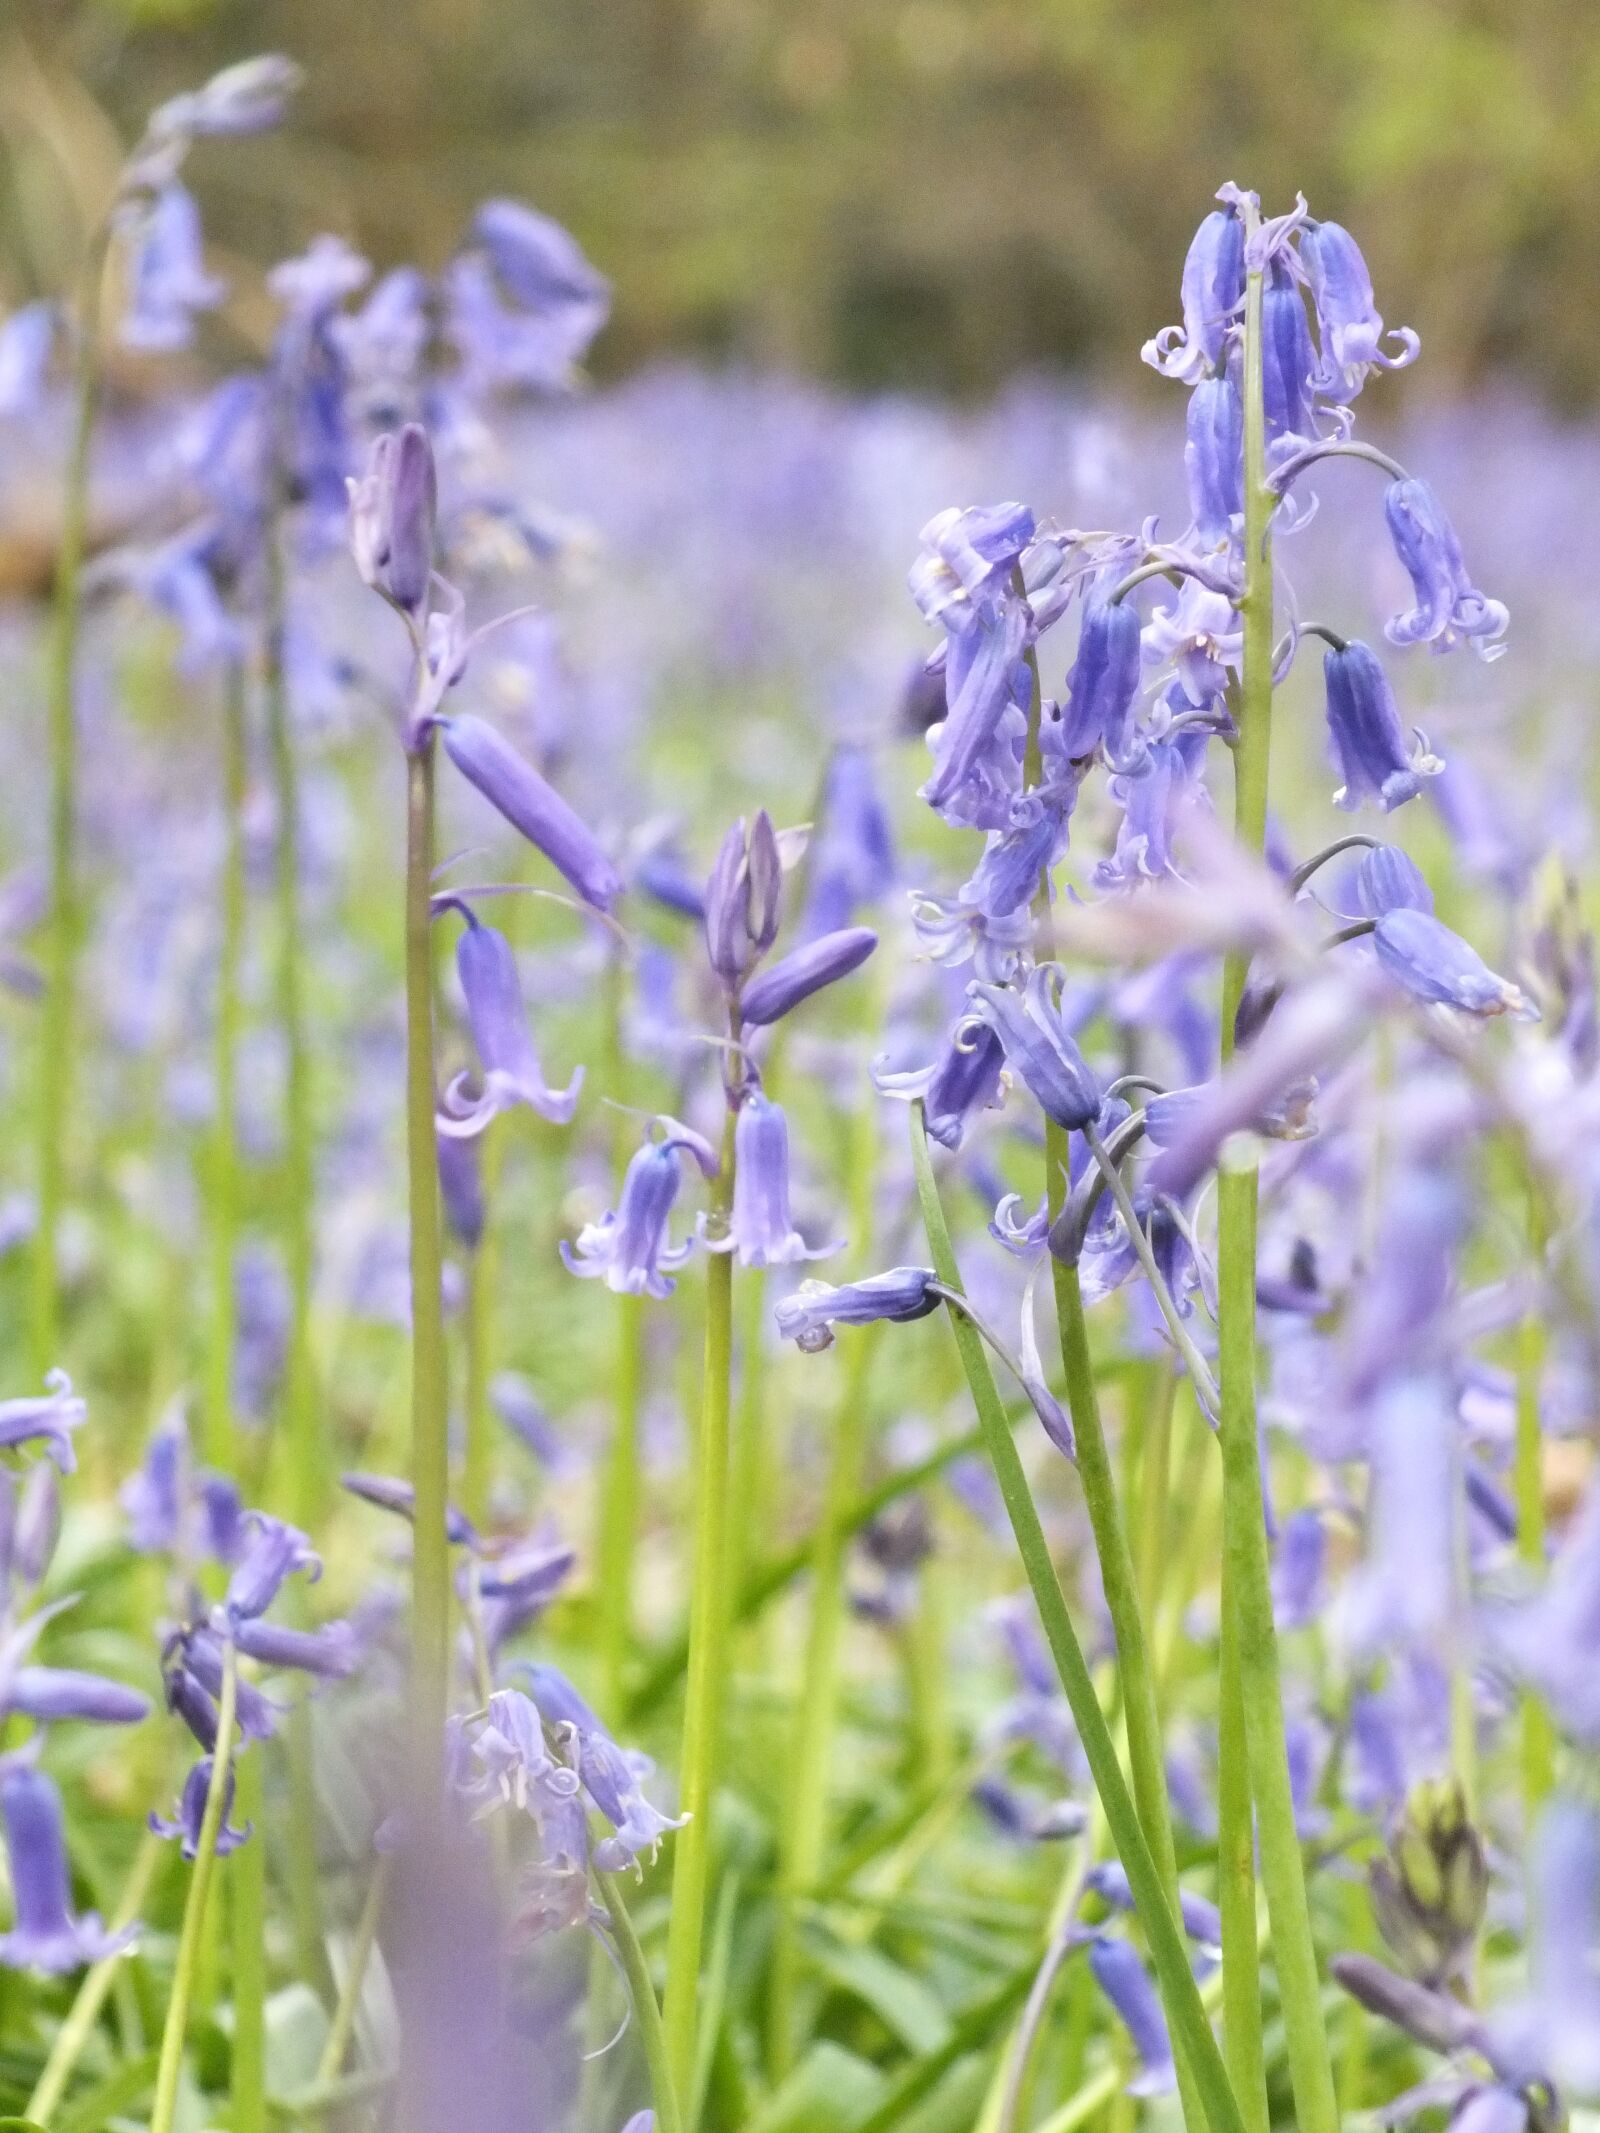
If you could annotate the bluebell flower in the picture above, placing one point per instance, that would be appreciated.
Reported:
(461, 1189)
(185, 1824)
(851, 862)
(251, 96)
(46, 1421)
(743, 899)
(1039, 1046)
(389, 1493)
(381, 347)
(1403, 1594)
(47, 1694)
(514, 1765)
(1213, 291)
(761, 1229)
(1348, 319)
(951, 932)
(629, 1247)
(174, 1510)
(1298, 1563)
(1364, 727)
(1549, 1641)
(532, 805)
(331, 1652)
(1288, 359)
(1155, 802)
(1449, 607)
(27, 342)
(809, 1315)
(963, 1080)
(1201, 1919)
(515, 1588)
(1126, 1984)
(167, 279)
(1103, 685)
(273, 1551)
(1437, 966)
(1213, 458)
(1556, 2034)
(611, 1775)
(985, 678)
(1202, 635)
(525, 303)
(966, 561)
(780, 988)
(193, 1669)
(1390, 880)
(45, 1934)
(1008, 875)
(492, 988)
(393, 508)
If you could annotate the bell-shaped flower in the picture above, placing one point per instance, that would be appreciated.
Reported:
(1008, 876)
(761, 1229)
(1449, 607)
(1125, 1982)
(1364, 727)
(1038, 1045)
(963, 1080)
(389, 1493)
(331, 1652)
(525, 303)
(1288, 359)
(461, 1188)
(1103, 685)
(1156, 801)
(612, 1776)
(816, 1307)
(629, 1248)
(966, 560)
(273, 1551)
(1437, 966)
(532, 805)
(1348, 319)
(1202, 1921)
(185, 1825)
(167, 280)
(1213, 459)
(487, 967)
(251, 96)
(779, 989)
(1212, 292)
(984, 679)
(1202, 635)
(47, 1694)
(45, 1933)
(46, 1420)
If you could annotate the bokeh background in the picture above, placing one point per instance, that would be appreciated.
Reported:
(924, 194)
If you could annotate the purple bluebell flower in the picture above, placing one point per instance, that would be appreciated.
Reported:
(1213, 290)
(744, 899)
(46, 1420)
(1558, 2031)
(1014, 860)
(1549, 1641)
(530, 804)
(48, 1693)
(194, 1668)
(1288, 360)
(762, 1230)
(628, 1247)
(852, 862)
(27, 341)
(1437, 966)
(985, 679)
(1364, 728)
(392, 512)
(1390, 880)
(36, 1526)
(273, 1551)
(951, 932)
(461, 1188)
(331, 1652)
(1449, 607)
(963, 1080)
(1103, 685)
(1038, 1045)
(1202, 635)
(391, 1494)
(808, 1316)
(1297, 1569)
(251, 96)
(185, 1824)
(525, 306)
(611, 1775)
(967, 558)
(45, 1934)
(1126, 1984)
(779, 989)
(1213, 458)
(514, 1765)
(167, 279)
(517, 1587)
(1156, 801)
(1348, 319)
(487, 967)
(1404, 1592)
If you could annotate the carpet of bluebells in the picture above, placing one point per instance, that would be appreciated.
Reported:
(800, 1268)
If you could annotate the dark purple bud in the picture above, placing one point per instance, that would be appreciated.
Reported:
(186, 1824)
(762, 1230)
(1288, 359)
(1437, 966)
(512, 1074)
(1449, 607)
(1369, 744)
(808, 1315)
(203, 1660)
(1432, 2018)
(1039, 1047)
(44, 1935)
(330, 1652)
(743, 900)
(533, 806)
(392, 511)
(273, 1551)
(1126, 1984)
(1104, 682)
(776, 992)
(461, 1188)
(187, 1700)
(1213, 458)
(46, 1693)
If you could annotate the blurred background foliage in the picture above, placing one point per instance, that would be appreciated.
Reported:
(920, 193)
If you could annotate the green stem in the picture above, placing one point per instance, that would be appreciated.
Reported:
(475, 1342)
(93, 1993)
(175, 2031)
(1185, 2013)
(342, 2028)
(1538, 1741)
(617, 1539)
(247, 1896)
(58, 1035)
(1246, 1583)
(710, 1621)
(430, 1434)
(642, 1992)
(224, 1150)
(1236, 1891)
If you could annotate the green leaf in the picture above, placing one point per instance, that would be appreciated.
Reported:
(900, 2000)
(113, 2097)
(828, 2092)
(19, 2125)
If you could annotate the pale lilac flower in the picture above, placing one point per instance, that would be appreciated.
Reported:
(761, 1229)
(611, 1775)
(45, 1935)
(487, 966)
(47, 1420)
(1438, 967)
(27, 341)
(168, 282)
(1449, 607)
(1364, 728)
(393, 508)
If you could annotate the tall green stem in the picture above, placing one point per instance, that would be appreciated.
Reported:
(342, 2028)
(58, 1033)
(1538, 1741)
(430, 1435)
(1185, 2013)
(1246, 1584)
(247, 1899)
(617, 1539)
(224, 1148)
(176, 2027)
(642, 1992)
